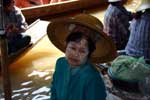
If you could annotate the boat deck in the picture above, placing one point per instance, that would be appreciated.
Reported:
(31, 74)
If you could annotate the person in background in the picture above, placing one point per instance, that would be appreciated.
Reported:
(139, 40)
(75, 77)
(116, 22)
(15, 26)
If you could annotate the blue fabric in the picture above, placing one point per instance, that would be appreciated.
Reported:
(139, 41)
(85, 83)
(116, 24)
(17, 42)
(15, 17)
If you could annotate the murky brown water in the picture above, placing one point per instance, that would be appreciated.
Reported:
(31, 75)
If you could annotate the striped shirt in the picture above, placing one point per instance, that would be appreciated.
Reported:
(116, 24)
(15, 17)
(139, 41)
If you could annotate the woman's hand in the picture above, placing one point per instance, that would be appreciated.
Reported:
(11, 29)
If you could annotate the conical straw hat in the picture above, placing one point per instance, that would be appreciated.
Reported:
(145, 4)
(59, 29)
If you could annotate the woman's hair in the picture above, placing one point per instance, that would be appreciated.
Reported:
(140, 13)
(147, 10)
(114, 3)
(78, 36)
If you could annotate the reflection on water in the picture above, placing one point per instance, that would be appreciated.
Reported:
(31, 75)
(40, 74)
(36, 88)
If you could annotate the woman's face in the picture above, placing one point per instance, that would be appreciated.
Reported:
(77, 52)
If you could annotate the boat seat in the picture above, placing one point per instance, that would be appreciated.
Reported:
(37, 30)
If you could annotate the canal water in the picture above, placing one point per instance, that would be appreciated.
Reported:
(31, 75)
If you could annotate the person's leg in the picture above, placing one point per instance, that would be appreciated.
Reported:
(22, 41)
(11, 46)
(18, 42)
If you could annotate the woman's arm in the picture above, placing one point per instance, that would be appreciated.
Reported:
(21, 22)
(54, 82)
(53, 88)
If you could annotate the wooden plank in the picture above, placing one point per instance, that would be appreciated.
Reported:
(37, 30)
(5, 69)
(57, 8)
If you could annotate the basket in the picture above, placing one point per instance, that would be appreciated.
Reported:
(124, 85)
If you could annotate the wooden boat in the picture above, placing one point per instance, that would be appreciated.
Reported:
(44, 13)
(48, 11)
(123, 89)
(70, 8)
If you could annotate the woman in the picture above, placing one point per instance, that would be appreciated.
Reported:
(139, 40)
(116, 22)
(75, 77)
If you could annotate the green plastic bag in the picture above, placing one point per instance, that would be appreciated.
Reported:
(130, 69)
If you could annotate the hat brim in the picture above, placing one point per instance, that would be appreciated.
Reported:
(143, 7)
(59, 29)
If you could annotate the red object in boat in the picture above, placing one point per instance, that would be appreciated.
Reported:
(30, 3)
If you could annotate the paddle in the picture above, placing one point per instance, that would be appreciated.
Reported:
(4, 57)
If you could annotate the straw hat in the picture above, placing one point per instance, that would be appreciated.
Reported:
(145, 4)
(59, 29)
(114, 0)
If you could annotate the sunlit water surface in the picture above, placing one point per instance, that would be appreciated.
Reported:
(31, 75)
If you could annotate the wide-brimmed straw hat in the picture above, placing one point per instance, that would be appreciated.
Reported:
(114, 0)
(59, 29)
(145, 4)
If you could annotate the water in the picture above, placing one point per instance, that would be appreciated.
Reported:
(31, 74)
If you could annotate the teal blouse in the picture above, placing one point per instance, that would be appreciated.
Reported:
(81, 83)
